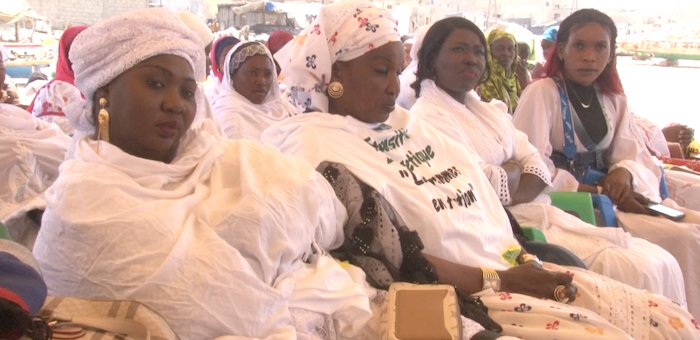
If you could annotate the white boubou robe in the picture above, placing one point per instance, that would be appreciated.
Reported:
(30, 152)
(219, 242)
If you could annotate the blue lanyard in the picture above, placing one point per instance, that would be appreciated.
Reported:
(568, 124)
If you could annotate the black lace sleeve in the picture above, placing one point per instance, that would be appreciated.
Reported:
(378, 241)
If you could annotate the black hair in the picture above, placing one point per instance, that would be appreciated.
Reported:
(583, 17)
(609, 81)
(433, 41)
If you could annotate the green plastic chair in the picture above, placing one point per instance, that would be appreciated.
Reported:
(579, 204)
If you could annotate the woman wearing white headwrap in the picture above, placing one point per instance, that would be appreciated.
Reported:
(212, 234)
(30, 152)
(420, 207)
(407, 96)
(249, 100)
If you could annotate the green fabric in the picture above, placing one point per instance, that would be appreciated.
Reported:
(534, 234)
(4, 234)
(578, 204)
(502, 84)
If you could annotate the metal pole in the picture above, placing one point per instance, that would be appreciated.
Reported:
(488, 14)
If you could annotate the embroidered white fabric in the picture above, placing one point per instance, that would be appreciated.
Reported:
(112, 46)
(246, 52)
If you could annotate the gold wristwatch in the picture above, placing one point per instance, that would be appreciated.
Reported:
(491, 280)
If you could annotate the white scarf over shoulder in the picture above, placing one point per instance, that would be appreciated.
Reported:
(539, 116)
(444, 197)
(407, 95)
(212, 241)
(242, 119)
(488, 128)
(30, 152)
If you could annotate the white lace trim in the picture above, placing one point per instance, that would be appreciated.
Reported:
(542, 174)
(503, 191)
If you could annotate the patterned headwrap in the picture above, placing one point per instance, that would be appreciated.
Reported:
(242, 52)
(112, 46)
(342, 31)
(502, 84)
(215, 54)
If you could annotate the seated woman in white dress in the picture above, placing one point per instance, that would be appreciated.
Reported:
(217, 236)
(53, 98)
(419, 205)
(249, 99)
(515, 168)
(601, 135)
(30, 152)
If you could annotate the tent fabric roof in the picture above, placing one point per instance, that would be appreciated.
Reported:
(13, 10)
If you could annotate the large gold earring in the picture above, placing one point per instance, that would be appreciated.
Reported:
(335, 90)
(103, 122)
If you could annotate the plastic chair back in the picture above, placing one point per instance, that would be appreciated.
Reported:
(578, 204)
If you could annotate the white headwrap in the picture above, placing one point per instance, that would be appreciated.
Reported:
(342, 31)
(407, 96)
(109, 48)
(239, 117)
(197, 25)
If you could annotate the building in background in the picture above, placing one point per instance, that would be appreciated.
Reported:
(58, 12)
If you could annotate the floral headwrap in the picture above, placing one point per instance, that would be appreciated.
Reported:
(342, 31)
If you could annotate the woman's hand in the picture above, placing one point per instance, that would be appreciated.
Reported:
(533, 280)
(617, 185)
(681, 134)
(582, 187)
(636, 204)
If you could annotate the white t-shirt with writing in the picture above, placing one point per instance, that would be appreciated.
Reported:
(435, 183)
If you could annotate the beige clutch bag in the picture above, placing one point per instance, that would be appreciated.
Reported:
(421, 312)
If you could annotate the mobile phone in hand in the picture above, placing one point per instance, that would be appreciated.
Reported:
(670, 213)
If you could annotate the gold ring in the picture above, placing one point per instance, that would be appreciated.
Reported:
(560, 294)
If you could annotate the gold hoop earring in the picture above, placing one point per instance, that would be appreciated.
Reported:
(103, 122)
(335, 90)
